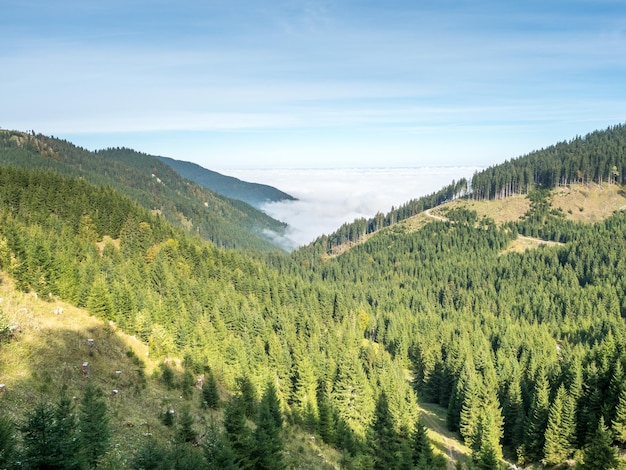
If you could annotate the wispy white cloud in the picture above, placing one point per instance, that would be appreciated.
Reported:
(327, 198)
(382, 74)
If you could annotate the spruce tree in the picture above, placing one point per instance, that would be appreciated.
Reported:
(600, 454)
(217, 452)
(421, 448)
(185, 431)
(7, 442)
(557, 448)
(236, 431)
(49, 437)
(537, 418)
(94, 427)
(384, 438)
(152, 455)
(248, 396)
(488, 458)
(267, 444)
(66, 445)
(37, 437)
(324, 414)
(619, 422)
(210, 393)
(514, 415)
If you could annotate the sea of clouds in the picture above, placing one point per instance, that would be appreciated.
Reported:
(327, 198)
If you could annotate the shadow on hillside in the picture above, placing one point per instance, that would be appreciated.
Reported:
(51, 354)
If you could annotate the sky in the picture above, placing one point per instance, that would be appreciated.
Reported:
(314, 84)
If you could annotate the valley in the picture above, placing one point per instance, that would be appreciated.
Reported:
(498, 301)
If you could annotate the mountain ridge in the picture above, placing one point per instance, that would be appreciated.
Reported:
(226, 222)
(255, 194)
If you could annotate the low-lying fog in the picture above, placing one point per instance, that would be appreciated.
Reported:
(327, 198)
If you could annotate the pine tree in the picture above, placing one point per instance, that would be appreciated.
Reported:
(38, 437)
(217, 452)
(66, 444)
(384, 438)
(94, 427)
(488, 459)
(558, 433)
(619, 422)
(210, 393)
(7, 442)
(152, 456)
(267, 444)
(422, 450)
(248, 396)
(514, 415)
(537, 418)
(600, 454)
(185, 431)
(324, 414)
(49, 437)
(236, 431)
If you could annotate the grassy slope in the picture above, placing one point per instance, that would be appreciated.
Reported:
(48, 353)
(580, 203)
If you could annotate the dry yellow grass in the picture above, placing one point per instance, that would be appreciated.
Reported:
(589, 203)
(48, 353)
(521, 244)
(500, 210)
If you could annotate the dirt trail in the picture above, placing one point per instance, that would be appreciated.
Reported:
(446, 442)
(433, 216)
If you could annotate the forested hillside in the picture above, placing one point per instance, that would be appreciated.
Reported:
(599, 157)
(526, 351)
(153, 184)
(254, 194)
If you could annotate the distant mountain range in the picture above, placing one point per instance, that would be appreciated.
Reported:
(156, 185)
(254, 194)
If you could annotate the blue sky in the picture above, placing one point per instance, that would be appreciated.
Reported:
(288, 83)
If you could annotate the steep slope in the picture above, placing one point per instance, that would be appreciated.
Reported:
(150, 182)
(254, 194)
(45, 358)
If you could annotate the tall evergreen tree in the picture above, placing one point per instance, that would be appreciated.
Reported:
(152, 455)
(557, 446)
(383, 436)
(248, 396)
(324, 413)
(600, 454)
(184, 431)
(49, 437)
(619, 422)
(420, 444)
(210, 393)
(93, 425)
(37, 434)
(7, 442)
(217, 452)
(514, 415)
(538, 418)
(237, 432)
(267, 444)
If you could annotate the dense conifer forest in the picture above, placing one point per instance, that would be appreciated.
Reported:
(228, 223)
(526, 352)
